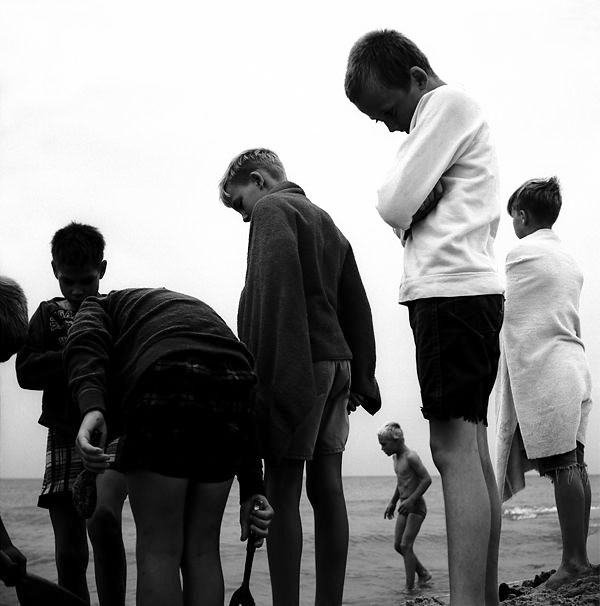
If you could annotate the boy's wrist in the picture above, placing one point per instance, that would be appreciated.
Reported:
(89, 400)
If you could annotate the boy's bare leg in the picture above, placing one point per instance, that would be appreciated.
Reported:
(455, 451)
(492, 597)
(104, 528)
(407, 541)
(158, 505)
(587, 493)
(570, 503)
(71, 548)
(421, 571)
(326, 494)
(201, 567)
(284, 545)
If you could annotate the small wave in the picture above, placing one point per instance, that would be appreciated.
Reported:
(526, 512)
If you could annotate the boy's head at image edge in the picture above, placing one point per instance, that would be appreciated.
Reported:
(13, 318)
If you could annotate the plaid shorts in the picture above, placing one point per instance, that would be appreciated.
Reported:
(189, 419)
(63, 465)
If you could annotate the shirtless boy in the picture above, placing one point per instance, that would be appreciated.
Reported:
(413, 481)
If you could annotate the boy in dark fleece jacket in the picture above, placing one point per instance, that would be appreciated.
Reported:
(78, 265)
(180, 385)
(305, 317)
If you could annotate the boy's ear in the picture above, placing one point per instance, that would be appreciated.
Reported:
(54, 269)
(524, 216)
(257, 178)
(419, 76)
(102, 269)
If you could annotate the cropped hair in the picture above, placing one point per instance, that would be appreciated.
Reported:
(391, 430)
(241, 166)
(382, 57)
(13, 318)
(78, 244)
(540, 197)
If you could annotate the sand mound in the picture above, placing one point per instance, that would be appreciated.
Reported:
(582, 592)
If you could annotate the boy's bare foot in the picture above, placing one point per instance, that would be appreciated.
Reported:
(564, 576)
(424, 578)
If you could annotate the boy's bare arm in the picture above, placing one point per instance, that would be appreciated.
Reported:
(424, 478)
(389, 510)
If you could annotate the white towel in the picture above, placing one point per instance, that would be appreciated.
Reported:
(544, 380)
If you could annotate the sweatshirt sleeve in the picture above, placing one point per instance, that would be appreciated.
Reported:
(38, 366)
(357, 324)
(87, 354)
(445, 123)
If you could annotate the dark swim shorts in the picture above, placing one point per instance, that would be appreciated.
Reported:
(457, 343)
(419, 508)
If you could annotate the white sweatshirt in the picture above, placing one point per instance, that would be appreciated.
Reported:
(450, 252)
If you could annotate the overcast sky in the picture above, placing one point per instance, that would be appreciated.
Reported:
(125, 115)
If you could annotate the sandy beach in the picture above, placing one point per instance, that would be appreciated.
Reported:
(530, 544)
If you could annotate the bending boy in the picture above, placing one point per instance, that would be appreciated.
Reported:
(180, 385)
(441, 198)
(413, 481)
(545, 383)
(305, 317)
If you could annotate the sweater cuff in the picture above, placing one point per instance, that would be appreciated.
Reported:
(91, 399)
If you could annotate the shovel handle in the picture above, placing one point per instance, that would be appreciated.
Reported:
(250, 549)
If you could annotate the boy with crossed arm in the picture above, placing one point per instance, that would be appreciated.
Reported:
(441, 199)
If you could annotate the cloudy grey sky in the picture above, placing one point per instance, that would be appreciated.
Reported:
(125, 115)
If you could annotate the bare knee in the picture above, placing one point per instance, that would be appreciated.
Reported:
(452, 442)
(440, 455)
(406, 547)
(324, 487)
(104, 526)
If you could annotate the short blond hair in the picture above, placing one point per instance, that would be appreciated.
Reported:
(391, 430)
(243, 164)
(13, 318)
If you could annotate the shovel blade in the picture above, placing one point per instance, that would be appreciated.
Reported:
(242, 597)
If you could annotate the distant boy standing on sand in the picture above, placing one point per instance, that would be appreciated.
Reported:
(305, 317)
(441, 198)
(413, 481)
(545, 384)
(78, 264)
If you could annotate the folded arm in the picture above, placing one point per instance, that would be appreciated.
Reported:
(445, 127)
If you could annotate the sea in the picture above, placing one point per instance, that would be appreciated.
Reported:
(530, 541)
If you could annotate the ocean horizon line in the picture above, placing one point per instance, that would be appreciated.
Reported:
(348, 475)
